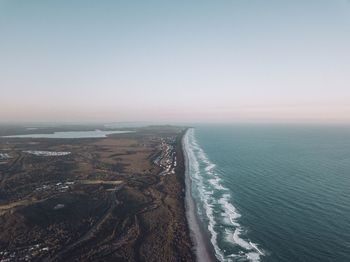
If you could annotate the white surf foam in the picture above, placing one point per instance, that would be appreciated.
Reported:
(204, 195)
(252, 256)
(253, 252)
(256, 248)
(207, 183)
(215, 182)
(229, 210)
(210, 167)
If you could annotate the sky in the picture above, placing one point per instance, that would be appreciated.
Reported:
(175, 61)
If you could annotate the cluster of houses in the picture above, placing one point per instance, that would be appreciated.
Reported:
(167, 158)
(4, 156)
(46, 153)
(23, 253)
(60, 187)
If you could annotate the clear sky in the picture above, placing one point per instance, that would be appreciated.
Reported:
(181, 60)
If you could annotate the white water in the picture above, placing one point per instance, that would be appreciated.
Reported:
(206, 183)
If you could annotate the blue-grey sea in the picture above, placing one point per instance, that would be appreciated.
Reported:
(278, 193)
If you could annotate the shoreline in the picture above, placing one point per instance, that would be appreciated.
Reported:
(202, 247)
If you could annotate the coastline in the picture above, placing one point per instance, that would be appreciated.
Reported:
(202, 247)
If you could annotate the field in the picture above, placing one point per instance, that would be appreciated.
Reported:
(119, 198)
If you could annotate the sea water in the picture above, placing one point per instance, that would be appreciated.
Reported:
(277, 193)
(72, 134)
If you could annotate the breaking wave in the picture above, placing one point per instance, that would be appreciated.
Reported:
(214, 207)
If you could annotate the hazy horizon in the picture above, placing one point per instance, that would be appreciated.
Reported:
(184, 61)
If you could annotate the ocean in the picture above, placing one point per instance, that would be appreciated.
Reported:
(278, 193)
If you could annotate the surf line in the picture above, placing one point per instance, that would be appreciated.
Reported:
(202, 178)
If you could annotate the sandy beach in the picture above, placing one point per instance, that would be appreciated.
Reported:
(201, 244)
